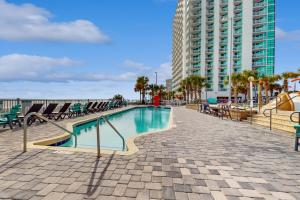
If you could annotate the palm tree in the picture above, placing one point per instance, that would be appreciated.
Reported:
(142, 86)
(275, 87)
(200, 83)
(183, 87)
(260, 86)
(273, 84)
(118, 97)
(153, 89)
(236, 82)
(286, 76)
(265, 81)
(161, 90)
(189, 88)
(245, 81)
(138, 88)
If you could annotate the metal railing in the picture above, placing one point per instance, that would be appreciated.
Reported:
(113, 127)
(297, 135)
(291, 117)
(6, 104)
(276, 108)
(39, 116)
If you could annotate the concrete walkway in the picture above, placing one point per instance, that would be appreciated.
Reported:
(201, 158)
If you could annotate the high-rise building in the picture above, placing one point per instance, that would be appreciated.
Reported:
(212, 38)
(169, 85)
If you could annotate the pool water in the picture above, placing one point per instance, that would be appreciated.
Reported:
(129, 123)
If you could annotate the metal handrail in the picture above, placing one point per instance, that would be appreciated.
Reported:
(276, 107)
(113, 127)
(291, 117)
(55, 124)
(71, 133)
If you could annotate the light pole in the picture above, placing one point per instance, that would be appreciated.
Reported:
(156, 78)
(230, 58)
(251, 79)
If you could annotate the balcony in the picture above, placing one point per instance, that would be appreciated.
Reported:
(238, 8)
(259, 56)
(224, 2)
(223, 57)
(260, 30)
(237, 56)
(237, 48)
(260, 13)
(261, 4)
(210, 20)
(259, 39)
(238, 15)
(258, 64)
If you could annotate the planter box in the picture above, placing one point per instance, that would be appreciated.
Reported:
(241, 115)
(192, 106)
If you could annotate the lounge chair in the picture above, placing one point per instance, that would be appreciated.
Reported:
(75, 110)
(87, 106)
(11, 117)
(84, 108)
(92, 108)
(35, 108)
(63, 112)
(48, 112)
(104, 106)
(98, 108)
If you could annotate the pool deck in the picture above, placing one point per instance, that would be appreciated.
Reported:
(202, 157)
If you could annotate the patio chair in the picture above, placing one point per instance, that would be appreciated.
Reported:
(63, 112)
(91, 109)
(88, 106)
(98, 109)
(75, 110)
(35, 108)
(11, 117)
(104, 106)
(84, 108)
(48, 112)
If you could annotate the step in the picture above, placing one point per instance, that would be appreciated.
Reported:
(276, 126)
(274, 120)
(277, 116)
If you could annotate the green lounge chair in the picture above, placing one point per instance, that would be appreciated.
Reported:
(75, 110)
(11, 117)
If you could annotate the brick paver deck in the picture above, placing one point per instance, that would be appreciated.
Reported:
(201, 158)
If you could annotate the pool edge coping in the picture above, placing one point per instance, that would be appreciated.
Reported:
(131, 147)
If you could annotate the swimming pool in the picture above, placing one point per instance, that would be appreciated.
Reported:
(132, 122)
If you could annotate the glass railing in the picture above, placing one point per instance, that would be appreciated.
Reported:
(237, 48)
(256, 39)
(260, 4)
(239, 15)
(257, 13)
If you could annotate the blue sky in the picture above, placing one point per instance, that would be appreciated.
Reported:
(75, 49)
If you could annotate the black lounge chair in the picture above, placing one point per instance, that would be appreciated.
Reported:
(92, 109)
(63, 112)
(48, 112)
(99, 106)
(35, 108)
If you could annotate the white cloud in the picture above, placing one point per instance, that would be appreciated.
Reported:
(287, 35)
(135, 65)
(163, 70)
(30, 23)
(19, 67)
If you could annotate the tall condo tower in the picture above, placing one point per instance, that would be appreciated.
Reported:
(212, 38)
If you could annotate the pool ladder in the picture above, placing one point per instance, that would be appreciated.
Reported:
(39, 116)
